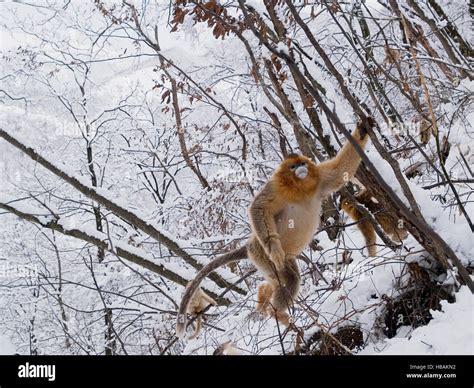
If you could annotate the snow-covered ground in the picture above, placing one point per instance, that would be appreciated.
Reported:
(449, 332)
(74, 80)
(6, 347)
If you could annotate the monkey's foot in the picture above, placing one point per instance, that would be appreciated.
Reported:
(282, 317)
(256, 316)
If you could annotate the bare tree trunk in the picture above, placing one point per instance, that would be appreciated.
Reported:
(110, 341)
(451, 29)
(439, 34)
(181, 134)
(62, 308)
(96, 208)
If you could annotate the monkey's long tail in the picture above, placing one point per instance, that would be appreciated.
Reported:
(235, 255)
(198, 327)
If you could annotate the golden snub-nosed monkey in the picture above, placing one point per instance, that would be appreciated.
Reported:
(284, 217)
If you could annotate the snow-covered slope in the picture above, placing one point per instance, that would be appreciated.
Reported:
(449, 332)
(6, 347)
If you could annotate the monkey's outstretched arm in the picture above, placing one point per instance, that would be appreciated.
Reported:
(334, 173)
(235, 255)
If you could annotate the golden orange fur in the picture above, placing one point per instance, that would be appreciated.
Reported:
(365, 227)
(284, 217)
(291, 188)
(390, 225)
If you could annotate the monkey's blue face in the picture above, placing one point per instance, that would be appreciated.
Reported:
(300, 169)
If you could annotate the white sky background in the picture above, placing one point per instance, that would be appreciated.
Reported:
(190, 49)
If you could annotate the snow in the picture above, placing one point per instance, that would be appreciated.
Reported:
(283, 48)
(71, 224)
(6, 347)
(449, 332)
(139, 165)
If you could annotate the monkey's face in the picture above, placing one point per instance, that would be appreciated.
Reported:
(300, 169)
(345, 205)
(297, 167)
(297, 173)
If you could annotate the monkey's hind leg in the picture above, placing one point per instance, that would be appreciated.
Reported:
(370, 236)
(285, 289)
(277, 294)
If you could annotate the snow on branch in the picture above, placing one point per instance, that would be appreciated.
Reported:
(101, 240)
(114, 207)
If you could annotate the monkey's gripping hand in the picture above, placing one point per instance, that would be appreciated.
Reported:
(277, 254)
(364, 129)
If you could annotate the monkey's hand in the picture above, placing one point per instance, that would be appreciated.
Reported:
(277, 254)
(364, 129)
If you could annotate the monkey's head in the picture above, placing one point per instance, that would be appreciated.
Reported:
(297, 175)
(344, 204)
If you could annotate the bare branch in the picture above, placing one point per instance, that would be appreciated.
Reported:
(118, 210)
